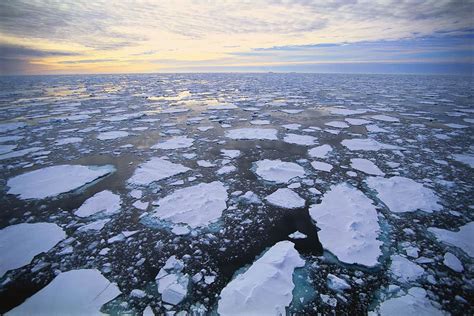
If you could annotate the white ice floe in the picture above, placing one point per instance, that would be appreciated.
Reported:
(253, 133)
(341, 111)
(415, 303)
(197, 205)
(385, 118)
(6, 148)
(155, 169)
(175, 143)
(404, 270)
(124, 117)
(20, 153)
(111, 135)
(356, 121)
(349, 225)
(260, 122)
(404, 195)
(97, 225)
(297, 235)
(366, 166)
(205, 163)
(320, 151)
(465, 159)
(226, 170)
(20, 243)
(54, 180)
(278, 171)
(337, 284)
(6, 127)
(172, 283)
(105, 202)
(230, 153)
(76, 292)
(321, 166)
(266, 287)
(372, 128)
(461, 239)
(367, 144)
(452, 262)
(337, 124)
(285, 198)
(68, 140)
(222, 107)
(291, 111)
(305, 140)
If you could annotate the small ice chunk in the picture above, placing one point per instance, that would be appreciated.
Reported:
(366, 166)
(175, 143)
(186, 205)
(68, 140)
(278, 171)
(250, 198)
(385, 118)
(297, 235)
(337, 124)
(253, 133)
(404, 195)
(205, 163)
(112, 135)
(20, 243)
(226, 170)
(105, 202)
(230, 153)
(266, 287)
(97, 225)
(285, 198)
(452, 262)
(322, 166)
(156, 169)
(180, 230)
(81, 292)
(349, 225)
(337, 284)
(54, 180)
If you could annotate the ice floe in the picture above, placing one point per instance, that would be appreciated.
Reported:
(320, 151)
(20, 243)
(367, 144)
(414, 303)
(285, 198)
(461, 239)
(452, 262)
(405, 270)
(266, 287)
(366, 166)
(54, 180)
(253, 133)
(321, 166)
(348, 224)
(172, 283)
(385, 118)
(105, 202)
(465, 159)
(197, 205)
(278, 171)
(155, 169)
(76, 292)
(175, 143)
(112, 135)
(305, 140)
(402, 194)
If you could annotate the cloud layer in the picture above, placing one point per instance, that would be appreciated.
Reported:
(146, 36)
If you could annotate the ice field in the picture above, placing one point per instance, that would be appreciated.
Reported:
(237, 194)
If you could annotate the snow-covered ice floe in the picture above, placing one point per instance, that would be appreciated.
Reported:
(304, 140)
(349, 226)
(367, 144)
(462, 239)
(175, 143)
(172, 283)
(285, 198)
(320, 151)
(366, 166)
(155, 169)
(253, 133)
(76, 292)
(404, 270)
(197, 205)
(54, 180)
(105, 202)
(278, 171)
(112, 135)
(20, 243)
(266, 287)
(404, 195)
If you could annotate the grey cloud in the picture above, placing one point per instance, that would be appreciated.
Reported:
(8, 51)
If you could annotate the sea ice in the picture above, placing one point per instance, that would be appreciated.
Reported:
(20, 243)
(266, 287)
(278, 171)
(355, 121)
(349, 225)
(404, 195)
(367, 144)
(76, 292)
(54, 180)
(285, 198)
(415, 303)
(111, 135)
(304, 140)
(452, 262)
(341, 111)
(385, 118)
(465, 159)
(320, 151)
(366, 166)
(337, 124)
(337, 284)
(404, 270)
(321, 166)
(197, 205)
(175, 143)
(253, 133)
(155, 169)
(105, 202)
(297, 235)
(461, 239)
(172, 283)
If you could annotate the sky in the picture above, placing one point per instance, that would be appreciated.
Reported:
(144, 36)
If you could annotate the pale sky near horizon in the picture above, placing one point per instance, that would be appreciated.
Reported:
(61, 37)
